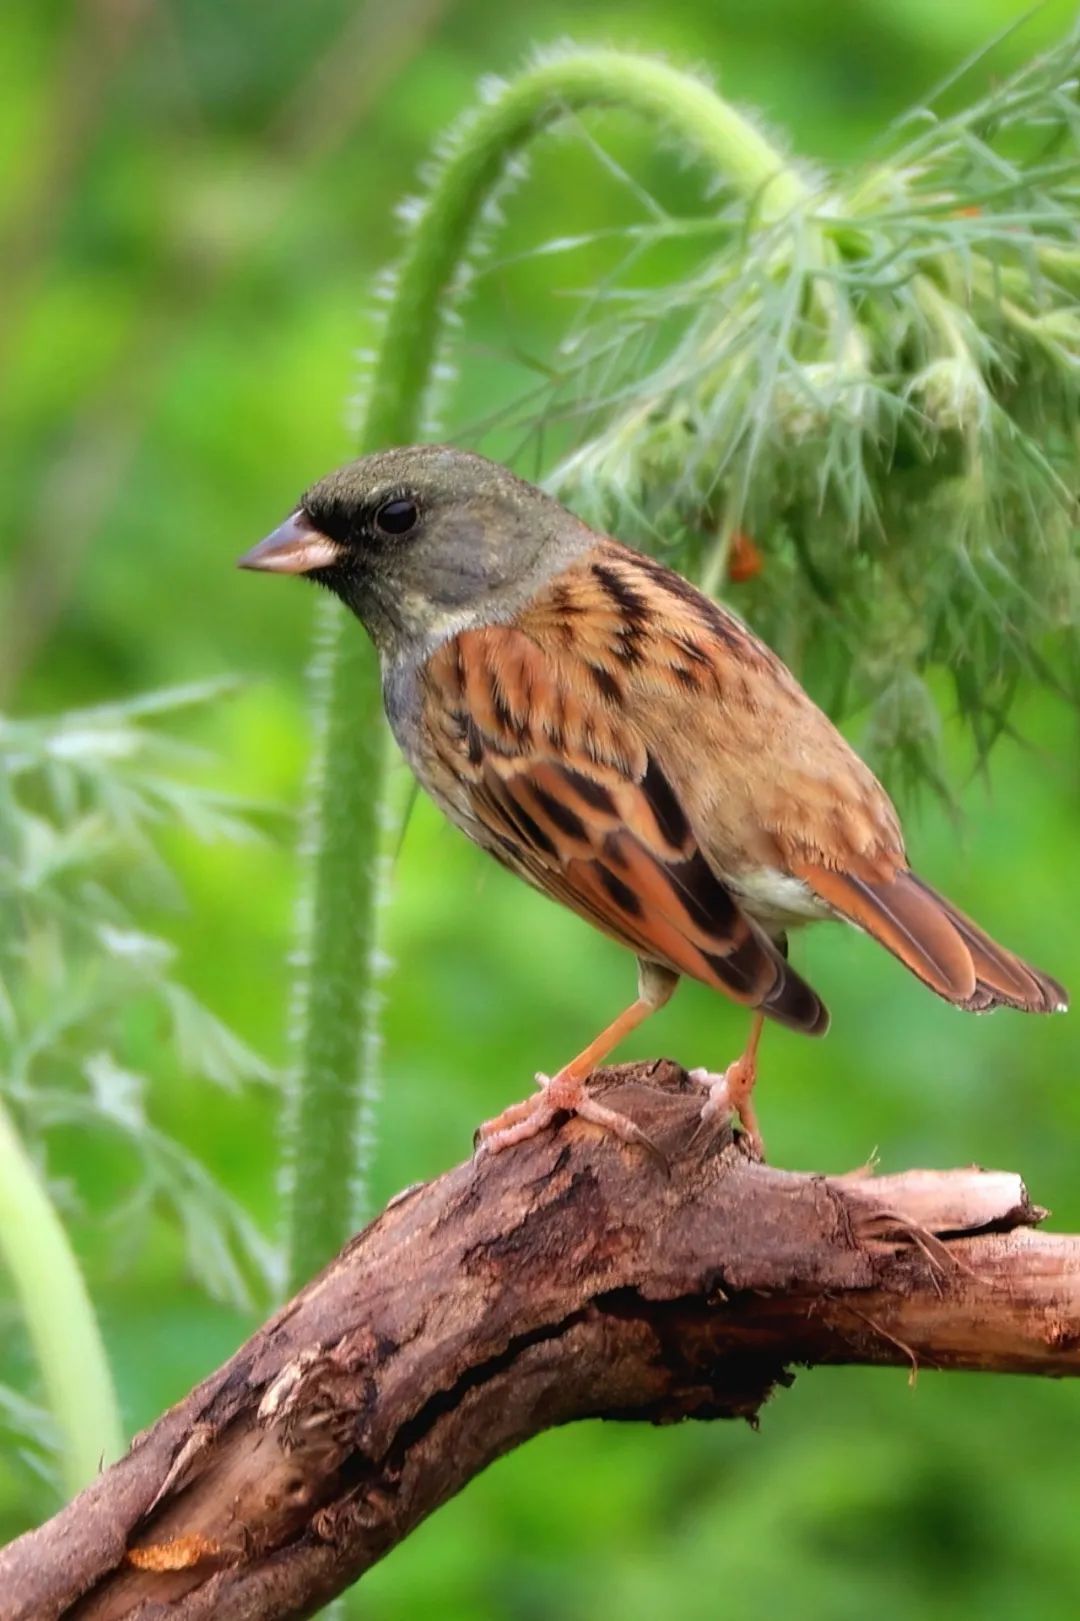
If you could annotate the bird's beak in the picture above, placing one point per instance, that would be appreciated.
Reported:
(295, 547)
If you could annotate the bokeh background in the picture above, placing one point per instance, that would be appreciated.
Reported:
(195, 201)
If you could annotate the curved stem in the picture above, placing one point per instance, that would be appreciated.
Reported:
(333, 1082)
(677, 102)
(59, 1317)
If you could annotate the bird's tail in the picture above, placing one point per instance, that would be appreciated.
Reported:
(941, 946)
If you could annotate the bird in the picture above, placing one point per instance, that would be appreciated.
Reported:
(630, 748)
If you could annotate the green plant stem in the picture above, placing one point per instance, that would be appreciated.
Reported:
(688, 110)
(59, 1317)
(333, 1081)
(336, 990)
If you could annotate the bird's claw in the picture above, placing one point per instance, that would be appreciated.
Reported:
(728, 1096)
(559, 1094)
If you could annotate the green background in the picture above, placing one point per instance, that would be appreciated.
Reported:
(195, 199)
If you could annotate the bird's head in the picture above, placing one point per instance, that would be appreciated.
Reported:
(423, 542)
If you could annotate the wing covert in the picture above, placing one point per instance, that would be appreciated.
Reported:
(560, 785)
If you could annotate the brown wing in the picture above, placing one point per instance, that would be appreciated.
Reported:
(553, 778)
(765, 779)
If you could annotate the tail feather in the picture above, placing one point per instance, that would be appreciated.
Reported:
(936, 942)
(1001, 978)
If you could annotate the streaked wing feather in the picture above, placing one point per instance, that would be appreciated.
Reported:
(562, 788)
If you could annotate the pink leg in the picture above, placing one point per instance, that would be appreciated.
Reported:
(731, 1092)
(566, 1091)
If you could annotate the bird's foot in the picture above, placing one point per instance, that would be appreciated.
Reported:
(564, 1093)
(730, 1094)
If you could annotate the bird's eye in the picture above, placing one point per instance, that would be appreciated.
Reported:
(397, 517)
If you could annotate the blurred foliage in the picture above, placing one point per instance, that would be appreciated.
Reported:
(880, 382)
(82, 801)
(196, 202)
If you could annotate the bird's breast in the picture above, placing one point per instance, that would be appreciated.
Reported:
(427, 749)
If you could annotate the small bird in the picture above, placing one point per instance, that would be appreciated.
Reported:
(628, 747)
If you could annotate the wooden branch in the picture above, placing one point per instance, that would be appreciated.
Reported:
(567, 1278)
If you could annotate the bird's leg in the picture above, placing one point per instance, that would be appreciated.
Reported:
(566, 1090)
(730, 1092)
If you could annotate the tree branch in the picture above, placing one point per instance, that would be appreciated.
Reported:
(567, 1278)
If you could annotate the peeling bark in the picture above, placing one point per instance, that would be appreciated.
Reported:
(567, 1278)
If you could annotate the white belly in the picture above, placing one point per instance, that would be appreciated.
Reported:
(777, 900)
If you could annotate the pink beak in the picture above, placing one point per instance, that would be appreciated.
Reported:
(295, 547)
